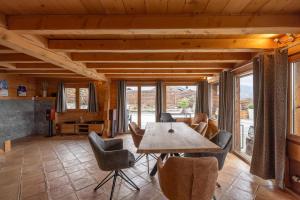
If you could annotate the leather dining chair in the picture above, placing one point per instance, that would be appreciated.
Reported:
(201, 128)
(188, 178)
(137, 136)
(199, 117)
(166, 117)
(111, 156)
(224, 140)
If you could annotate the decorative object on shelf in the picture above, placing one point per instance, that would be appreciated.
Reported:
(3, 88)
(44, 88)
(21, 91)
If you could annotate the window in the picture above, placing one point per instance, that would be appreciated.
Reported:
(77, 98)
(83, 98)
(180, 100)
(295, 93)
(71, 98)
(214, 98)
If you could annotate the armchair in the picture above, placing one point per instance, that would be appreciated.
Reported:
(111, 156)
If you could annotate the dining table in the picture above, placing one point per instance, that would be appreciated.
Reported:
(173, 138)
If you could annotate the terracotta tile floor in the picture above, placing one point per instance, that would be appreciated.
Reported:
(64, 168)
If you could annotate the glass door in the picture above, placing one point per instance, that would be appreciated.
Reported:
(132, 103)
(141, 104)
(244, 115)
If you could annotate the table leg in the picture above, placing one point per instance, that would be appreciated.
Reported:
(154, 170)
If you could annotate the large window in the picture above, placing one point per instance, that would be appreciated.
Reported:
(295, 92)
(77, 98)
(180, 100)
(244, 127)
(214, 98)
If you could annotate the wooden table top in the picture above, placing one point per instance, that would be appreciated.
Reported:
(157, 139)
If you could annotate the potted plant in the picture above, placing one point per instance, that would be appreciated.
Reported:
(251, 111)
(183, 104)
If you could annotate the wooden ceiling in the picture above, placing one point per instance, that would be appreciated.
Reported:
(138, 39)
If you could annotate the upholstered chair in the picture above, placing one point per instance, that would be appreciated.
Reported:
(188, 178)
(166, 117)
(212, 129)
(199, 117)
(111, 156)
(201, 128)
(137, 136)
(224, 140)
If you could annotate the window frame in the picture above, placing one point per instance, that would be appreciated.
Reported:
(77, 96)
(292, 106)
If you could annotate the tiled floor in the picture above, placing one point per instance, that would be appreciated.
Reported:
(64, 168)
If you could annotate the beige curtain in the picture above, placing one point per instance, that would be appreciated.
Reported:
(270, 72)
(226, 100)
(202, 100)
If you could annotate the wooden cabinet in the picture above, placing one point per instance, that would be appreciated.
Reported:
(67, 129)
(81, 128)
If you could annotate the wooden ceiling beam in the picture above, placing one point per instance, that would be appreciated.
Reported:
(161, 57)
(39, 66)
(7, 65)
(158, 71)
(158, 76)
(163, 45)
(34, 49)
(160, 65)
(6, 50)
(18, 58)
(154, 24)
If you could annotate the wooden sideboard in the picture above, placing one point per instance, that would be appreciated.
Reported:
(81, 128)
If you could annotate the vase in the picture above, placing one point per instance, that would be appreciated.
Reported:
(44, 93)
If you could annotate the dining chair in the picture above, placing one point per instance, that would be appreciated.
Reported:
(188, 178)
(212, 129)
(111, 156)
(201, 128)
(137, 136)
(224, 140)
(199, 117)
(166, 117)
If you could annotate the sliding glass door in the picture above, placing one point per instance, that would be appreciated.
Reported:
(141, 104)
(244, 115)
(147, 105)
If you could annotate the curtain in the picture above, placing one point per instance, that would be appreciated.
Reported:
(226, 101)
(122, 118)
(61, 98)
(159, 100)
(202, 98)
(270, 72)
(93, 101)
